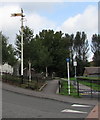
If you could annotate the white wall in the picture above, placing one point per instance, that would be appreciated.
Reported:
(6, 68)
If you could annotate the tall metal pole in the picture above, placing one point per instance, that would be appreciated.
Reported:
(75, 72)
(22, 45)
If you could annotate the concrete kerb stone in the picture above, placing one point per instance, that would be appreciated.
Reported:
(43, 95)
(57, 91)
(42, 87)
(37, 96)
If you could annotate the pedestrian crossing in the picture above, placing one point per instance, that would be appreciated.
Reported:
(78, 105)
(75, 108)
(72, 111)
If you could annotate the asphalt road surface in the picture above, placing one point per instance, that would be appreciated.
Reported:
(21, 106)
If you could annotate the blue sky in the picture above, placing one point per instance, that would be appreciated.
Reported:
(65, 10)
(55, 11)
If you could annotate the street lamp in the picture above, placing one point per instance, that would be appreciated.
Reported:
(22, 18)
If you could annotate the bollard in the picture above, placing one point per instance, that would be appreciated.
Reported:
(59, 85)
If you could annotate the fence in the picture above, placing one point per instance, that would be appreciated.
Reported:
(89, 87)
(36, 81)
(81, 88)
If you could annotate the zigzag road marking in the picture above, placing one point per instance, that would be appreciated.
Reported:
(78, 105)
(72, 111)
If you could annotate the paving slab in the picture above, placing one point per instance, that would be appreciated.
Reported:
(95, 113)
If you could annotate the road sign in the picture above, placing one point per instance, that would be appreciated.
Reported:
(16, 14)
(67, 59)
(75, 63)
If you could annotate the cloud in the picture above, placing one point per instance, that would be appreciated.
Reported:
(11, 25)
(86, 21)
(38, 23)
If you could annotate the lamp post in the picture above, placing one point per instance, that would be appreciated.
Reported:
(22, 17)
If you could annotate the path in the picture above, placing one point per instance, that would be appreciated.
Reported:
(51, 87)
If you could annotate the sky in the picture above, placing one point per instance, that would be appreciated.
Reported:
(69, 17)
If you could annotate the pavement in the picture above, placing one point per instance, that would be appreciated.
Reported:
(95, 113)
(81, 87)
(49, 92)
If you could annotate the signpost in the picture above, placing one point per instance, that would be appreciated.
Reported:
(67, 60)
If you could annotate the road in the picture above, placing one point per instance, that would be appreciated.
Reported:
(21, 106)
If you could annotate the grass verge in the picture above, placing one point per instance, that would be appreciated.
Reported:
(94, 86)
(64, 89)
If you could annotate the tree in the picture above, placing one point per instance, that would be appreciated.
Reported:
(54, 50)
(96, 49)
(81, 48)
(12, 60)
(4, 49)
(43, 41)
(45, 60)
(8, 52)
(27, 38)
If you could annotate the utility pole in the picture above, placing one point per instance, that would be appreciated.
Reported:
(22, 18)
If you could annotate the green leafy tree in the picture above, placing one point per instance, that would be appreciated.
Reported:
(27, 38)
(8, 52)
(81, 48)
(43, 43)
(12, 60)
(96, 49)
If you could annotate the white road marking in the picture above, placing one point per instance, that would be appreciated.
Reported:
(78, 105)
(72, 111)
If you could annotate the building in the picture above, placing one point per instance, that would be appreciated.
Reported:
(6, 68)
(92, 71)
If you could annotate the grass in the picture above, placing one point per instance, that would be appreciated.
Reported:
(90, 78)
(89, 81)
(94, 86)
(89, 84)
(64, 89)
(72, 78)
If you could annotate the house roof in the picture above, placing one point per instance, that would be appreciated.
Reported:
(92, 70)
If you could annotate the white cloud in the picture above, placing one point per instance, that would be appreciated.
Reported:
(38, 23)
(11, 25)
(87, 21)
